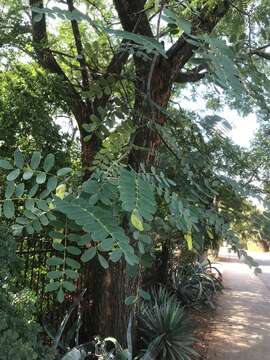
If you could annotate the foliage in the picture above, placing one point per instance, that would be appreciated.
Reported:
(20, 334)
(28, 103)
(165, 329)
(88, 222)
(195, 284)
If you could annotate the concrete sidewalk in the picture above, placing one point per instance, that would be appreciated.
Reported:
(241, 328)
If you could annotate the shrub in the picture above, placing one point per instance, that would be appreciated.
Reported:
(195, 284)
(165, 329)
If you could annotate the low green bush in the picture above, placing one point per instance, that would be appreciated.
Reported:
(165, 328)
(195, 284)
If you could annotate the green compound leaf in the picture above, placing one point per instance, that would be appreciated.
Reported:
(137, 196)
(100, 223)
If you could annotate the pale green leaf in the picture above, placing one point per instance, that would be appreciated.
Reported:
(8, 209)
(137, 220)
(64, 171)
(35, 160)
(49, 162)
(131, 300)
(27, 175)
(4, 164)
(41, 178)
(13, 175)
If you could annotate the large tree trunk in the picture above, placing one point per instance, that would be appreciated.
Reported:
(153, 91)
(107, 289)
(104, 309)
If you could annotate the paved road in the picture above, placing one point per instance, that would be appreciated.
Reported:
(263, 259)
(241, 328)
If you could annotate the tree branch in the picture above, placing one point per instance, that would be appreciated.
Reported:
(48, 62)
(181, 52)
(129, 11)
(79, 46)
(259, 52)
(193, 75)
(114, 68)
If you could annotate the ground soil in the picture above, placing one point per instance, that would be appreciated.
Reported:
(204, 319)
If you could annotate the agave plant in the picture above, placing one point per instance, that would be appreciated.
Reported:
(165, 329)
(196, 284)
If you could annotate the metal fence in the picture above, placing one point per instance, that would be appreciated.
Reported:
(35, 251)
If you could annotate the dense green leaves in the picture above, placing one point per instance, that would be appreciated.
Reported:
(137, 196)
(99, 212)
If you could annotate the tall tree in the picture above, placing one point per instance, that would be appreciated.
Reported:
(149, 79)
